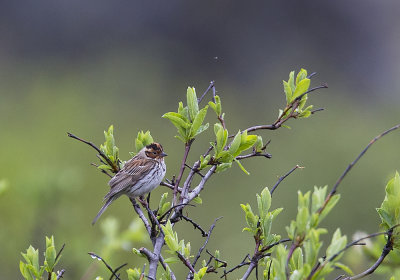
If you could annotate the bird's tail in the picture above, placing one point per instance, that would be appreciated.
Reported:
(108, 202)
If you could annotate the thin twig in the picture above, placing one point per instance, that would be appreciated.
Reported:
(333, 191)
(60, 274)
(195, 170)
(283, 177)
(317, 110)
(207, 90)
(195, 225)
(254, 154)
(109, 162)
(293, 247)
(243, 263)
(178, 180)
(172, 208)
(59, 252)
(205, 243)
(93, 255)
(266, 248)
(101, 170)
(186, 262)
(225, 264)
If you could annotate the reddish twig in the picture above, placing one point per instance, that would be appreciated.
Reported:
(178, 180)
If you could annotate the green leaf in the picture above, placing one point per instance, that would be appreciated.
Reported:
(264, 202)
(223, 166)
(50, 258)
(251, 219)
(291, 81)
(172, 260)
(222, 137)
(183, 111)
(259, 144)
(134, 274)
(301, 75)
(241, 166)
(345, 268)
(163, 205)
(200, 274)
(143, 139)
(247, 142)
(197, 122)
(338, 243)
(197, 200)
(216, 106)
(204, 161)
(192, 103)
(235, 144)
(301, 88)
(171, 237)
(288, 92)
(329, 206)
(178, 121)
(302, 220)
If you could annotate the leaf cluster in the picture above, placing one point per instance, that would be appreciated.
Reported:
(189, 119)
(30, 267)
(389, 211)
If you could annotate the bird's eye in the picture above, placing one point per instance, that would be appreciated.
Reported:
(154, 153)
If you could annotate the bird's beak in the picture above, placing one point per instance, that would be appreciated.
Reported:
(163, 154)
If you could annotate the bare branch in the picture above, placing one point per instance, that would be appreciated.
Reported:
(243, 263)
(186, 262)
(205, 243)
(153, 263)
(195, 225)
(283, 177)
(333, 191)
(254, 154)
(317, 110)
(207, 90)
(178, 180)
(139, 211)
(59, 252)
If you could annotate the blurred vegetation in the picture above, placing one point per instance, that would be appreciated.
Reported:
(52, 190)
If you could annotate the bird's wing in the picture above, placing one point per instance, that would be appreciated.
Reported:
(133, 171)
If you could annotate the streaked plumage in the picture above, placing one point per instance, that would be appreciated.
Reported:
(140, 175)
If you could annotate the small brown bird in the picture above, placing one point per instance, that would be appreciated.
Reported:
(140, 175)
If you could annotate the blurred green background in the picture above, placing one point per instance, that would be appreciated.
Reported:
(80, 66)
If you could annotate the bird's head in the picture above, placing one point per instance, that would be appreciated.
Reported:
(154, 151)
